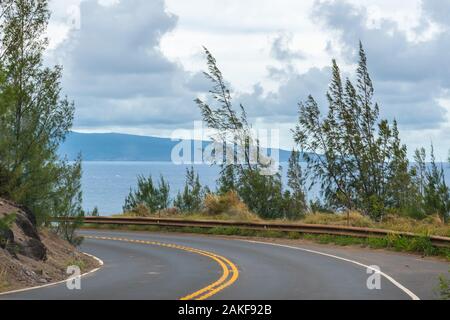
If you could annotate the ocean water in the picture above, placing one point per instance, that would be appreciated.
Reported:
(106, 184)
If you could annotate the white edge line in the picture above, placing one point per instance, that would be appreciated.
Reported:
(59, 282)
(388, 277)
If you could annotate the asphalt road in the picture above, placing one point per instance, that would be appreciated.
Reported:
(173, 266)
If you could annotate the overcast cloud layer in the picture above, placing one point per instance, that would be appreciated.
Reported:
(134, 65)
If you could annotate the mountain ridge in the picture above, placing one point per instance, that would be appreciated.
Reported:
(124, 147)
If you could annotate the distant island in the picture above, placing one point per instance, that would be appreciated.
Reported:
(123, 147)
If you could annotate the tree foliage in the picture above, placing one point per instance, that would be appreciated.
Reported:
(432, 195)
(6, 223)
(244, 168)
(356, 157)
(66, 202)
(191, 198)
(34, 117)
(436, 193)
(153, 197)
(296, 196)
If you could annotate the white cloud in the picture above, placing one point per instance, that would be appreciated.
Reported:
(133, 65)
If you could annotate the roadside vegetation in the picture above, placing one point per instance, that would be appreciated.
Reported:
(355, 157)
(3, 279)
(431, 225)
(76, 262)
(34, 120)
(444, 286)
(5, 226)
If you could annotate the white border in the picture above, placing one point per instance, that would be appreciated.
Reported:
(388, 277)
(59, 282)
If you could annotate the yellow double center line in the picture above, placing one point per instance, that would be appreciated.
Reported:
(230, 273)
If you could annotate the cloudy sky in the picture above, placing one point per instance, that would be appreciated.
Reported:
(133, 66)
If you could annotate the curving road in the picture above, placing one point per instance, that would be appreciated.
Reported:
(173, 266)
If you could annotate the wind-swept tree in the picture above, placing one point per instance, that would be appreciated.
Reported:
(432, 195)
(244, 168)
(436, 191)
(355, 156)
(296, 196)
(230, 127)
(419, 170)
(34, 117)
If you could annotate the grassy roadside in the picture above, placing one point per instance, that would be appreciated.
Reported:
(3, 280)
(431, 225)
(419, 245)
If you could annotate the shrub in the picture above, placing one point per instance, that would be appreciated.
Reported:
(169, 212)
(5, 226)
(444, 287)
(3, 279)
(190, 200)
(217, 204)
(431, 225)
(293, 235)
(95, 212)
(76, 262)
(140, 210)
(7, 221)
(354, 218)
(148, 195)
(422, 245)
(229, 205)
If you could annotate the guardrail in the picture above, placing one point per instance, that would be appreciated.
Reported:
(260, 226)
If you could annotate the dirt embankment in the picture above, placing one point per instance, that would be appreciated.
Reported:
(31, 257)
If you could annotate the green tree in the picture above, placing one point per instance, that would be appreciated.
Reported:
(399, 183)
(154, 198)
(245, 168)
(95, 212)
(356, 157)
(436, 191)
(66, 202)
(6, 235)
(296, 197)
(419, 170)
(227, 179)
(263, 195)
(191, 199)
(34, 118)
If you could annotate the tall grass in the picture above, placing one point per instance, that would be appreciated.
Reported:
(354, 219)
(3, 279)
(230, 207)
(444, 287)
(76, 262)
(215, 207)
(431, 225)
